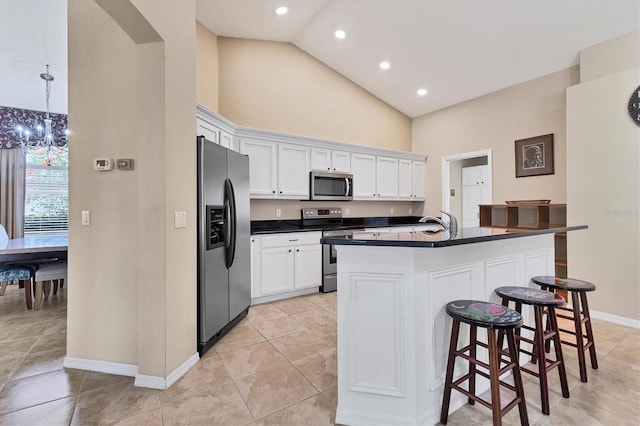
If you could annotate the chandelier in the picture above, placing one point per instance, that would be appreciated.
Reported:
(41, 136)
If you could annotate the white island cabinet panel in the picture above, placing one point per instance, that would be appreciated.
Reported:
(377, 316)
(393, 329)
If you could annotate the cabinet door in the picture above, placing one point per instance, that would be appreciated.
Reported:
(226, 139)
(308, 266)
(418, 180)
(320, 159)
(262, 167)
(255, 266)
(340, 161)
(363, 168)
(405, 179)
(208, 130)
(293, 171)
(387, 177)
(276, 270)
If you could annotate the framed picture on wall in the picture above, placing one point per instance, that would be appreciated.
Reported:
(534, 156)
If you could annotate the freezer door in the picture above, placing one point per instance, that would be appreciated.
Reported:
(213, 277)
(240, 270)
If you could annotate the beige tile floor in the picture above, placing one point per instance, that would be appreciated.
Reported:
(277, 367)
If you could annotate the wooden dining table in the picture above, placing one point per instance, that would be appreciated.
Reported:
(37, 249)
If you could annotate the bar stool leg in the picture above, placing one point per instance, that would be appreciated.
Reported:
(542, 362)
(494, 376)
(577, 322)
(448, 381)
(591, 341)
(473, 337)
(517, 378)
(551, 316)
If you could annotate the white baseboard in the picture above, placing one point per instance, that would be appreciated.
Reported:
(118, 368)
(285, 295)
(182, 369)
(628, 322)
(130, 370)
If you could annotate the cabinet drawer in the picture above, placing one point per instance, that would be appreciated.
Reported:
(290, 239)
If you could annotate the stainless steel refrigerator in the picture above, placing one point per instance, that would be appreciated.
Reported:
(224, 259)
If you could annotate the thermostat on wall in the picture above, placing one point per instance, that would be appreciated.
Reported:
(103, 164)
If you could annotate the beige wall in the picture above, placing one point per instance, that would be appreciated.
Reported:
(132, 276)
(206, 67)
(603, 182)
(610, 57)
(290, 209)
(276, 86)
(495, 121)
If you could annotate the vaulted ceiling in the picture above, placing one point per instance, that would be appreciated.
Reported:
(456, 49)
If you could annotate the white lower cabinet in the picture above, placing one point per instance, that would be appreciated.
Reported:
(283, 264)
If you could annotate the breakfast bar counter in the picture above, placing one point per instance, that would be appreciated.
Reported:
(393, 331)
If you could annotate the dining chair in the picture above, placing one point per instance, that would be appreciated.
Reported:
(46, 274)
(10, 272)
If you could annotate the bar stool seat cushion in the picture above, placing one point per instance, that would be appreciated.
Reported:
(484, 314)
(530, 296)
(570, 284)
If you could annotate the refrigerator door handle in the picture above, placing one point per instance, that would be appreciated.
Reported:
(230, 202)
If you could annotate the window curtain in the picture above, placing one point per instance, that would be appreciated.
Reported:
(12, 188)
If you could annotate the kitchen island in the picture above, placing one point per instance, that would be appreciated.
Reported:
(393, 330)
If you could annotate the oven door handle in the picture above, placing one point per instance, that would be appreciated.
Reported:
(346, 194)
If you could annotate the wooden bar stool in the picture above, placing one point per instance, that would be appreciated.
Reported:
(540, 300)
(578, 313)
(492, 317)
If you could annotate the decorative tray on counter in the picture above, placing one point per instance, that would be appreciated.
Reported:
(527, 202)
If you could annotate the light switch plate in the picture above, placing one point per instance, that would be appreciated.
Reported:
(180, 220)
(86, 218)
(124, 163)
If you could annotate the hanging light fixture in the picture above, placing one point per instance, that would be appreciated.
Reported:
(42, 135)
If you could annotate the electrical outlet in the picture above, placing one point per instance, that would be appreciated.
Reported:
(410, 210)
(391, 210)
(278, 212)
(347, 212)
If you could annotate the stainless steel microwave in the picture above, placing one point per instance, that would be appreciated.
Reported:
(330, 186)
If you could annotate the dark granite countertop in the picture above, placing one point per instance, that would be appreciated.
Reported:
(440, 239)
(293, 225)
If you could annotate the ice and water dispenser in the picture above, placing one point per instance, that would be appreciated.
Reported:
(215, 226)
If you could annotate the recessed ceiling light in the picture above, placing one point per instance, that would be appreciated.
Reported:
(422, 92)
(282, 10)
(385, 65)
(340, 34)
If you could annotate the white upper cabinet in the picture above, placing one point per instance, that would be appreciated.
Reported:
(277, 170)
(386, 177)
(363, 168)
(341, 161)
(214, 133)
(405, 179)
(280, 163)
(262, 167)
(330, 160)
(293, 171)
(320, 159)
(410, 180)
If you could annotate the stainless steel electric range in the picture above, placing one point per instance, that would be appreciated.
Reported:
(329, 220)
